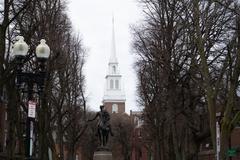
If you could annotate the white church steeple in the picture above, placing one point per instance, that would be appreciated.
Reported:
(113, 57)
(114, 96)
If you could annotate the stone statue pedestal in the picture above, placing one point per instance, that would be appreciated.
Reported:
(102, 154)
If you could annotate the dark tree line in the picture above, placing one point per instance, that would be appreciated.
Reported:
(188, 70)
(61, 110)
(121, 142)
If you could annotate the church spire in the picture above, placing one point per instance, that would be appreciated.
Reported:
(114, 95)
(113, 57)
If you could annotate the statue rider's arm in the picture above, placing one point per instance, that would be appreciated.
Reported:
(94, 117)
(108, 117)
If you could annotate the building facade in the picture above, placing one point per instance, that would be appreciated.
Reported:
(114, 95)
(138, 150)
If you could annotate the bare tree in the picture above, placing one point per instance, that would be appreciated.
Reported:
(166, 71)
(121, 141)
(64, 88)
(219, 65)
(187, 67)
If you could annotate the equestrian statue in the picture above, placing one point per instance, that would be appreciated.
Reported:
(103, 126)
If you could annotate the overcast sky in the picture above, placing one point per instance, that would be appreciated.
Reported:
(93, 20)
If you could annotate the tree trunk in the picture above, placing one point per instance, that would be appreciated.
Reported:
(162, 142)
(157, 143)
(71, 152)
(210, 94)
(225, 133)
(60, 140)
(20, 132)
(2, 53)
(2, 127)
(11, 112)
(226, 124)
(175, 142)
(43, 133)
(231, 100)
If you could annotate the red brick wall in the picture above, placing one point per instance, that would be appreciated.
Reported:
(139, 152)
(121, 107)
(235, 141)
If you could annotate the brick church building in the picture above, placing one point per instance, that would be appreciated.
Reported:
(114, 101)
(114, 95)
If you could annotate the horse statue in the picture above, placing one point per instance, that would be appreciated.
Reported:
(103, 127)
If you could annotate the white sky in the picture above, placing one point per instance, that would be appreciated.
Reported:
(93, 19)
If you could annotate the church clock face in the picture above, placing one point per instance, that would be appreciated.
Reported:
(114, 108)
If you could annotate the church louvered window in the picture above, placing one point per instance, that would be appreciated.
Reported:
(114, 69)
(116, 84)
(111, 84)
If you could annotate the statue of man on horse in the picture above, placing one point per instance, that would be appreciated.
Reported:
(103, 127)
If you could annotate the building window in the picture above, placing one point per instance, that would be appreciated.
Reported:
(114, 108)
(5, 138)
(140, 122)
(111, 84)
(6, 116)
(116, 84)
(114, 69)
(135, 120)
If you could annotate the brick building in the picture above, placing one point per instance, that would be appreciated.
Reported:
(114, 102)
(206, 153)
(114, 95)
(139, 151)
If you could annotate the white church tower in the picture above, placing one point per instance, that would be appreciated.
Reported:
(114, 95)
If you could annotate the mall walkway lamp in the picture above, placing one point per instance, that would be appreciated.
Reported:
(32, 77)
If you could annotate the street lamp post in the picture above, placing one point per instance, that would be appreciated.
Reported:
(218, 132)
(30, 78)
